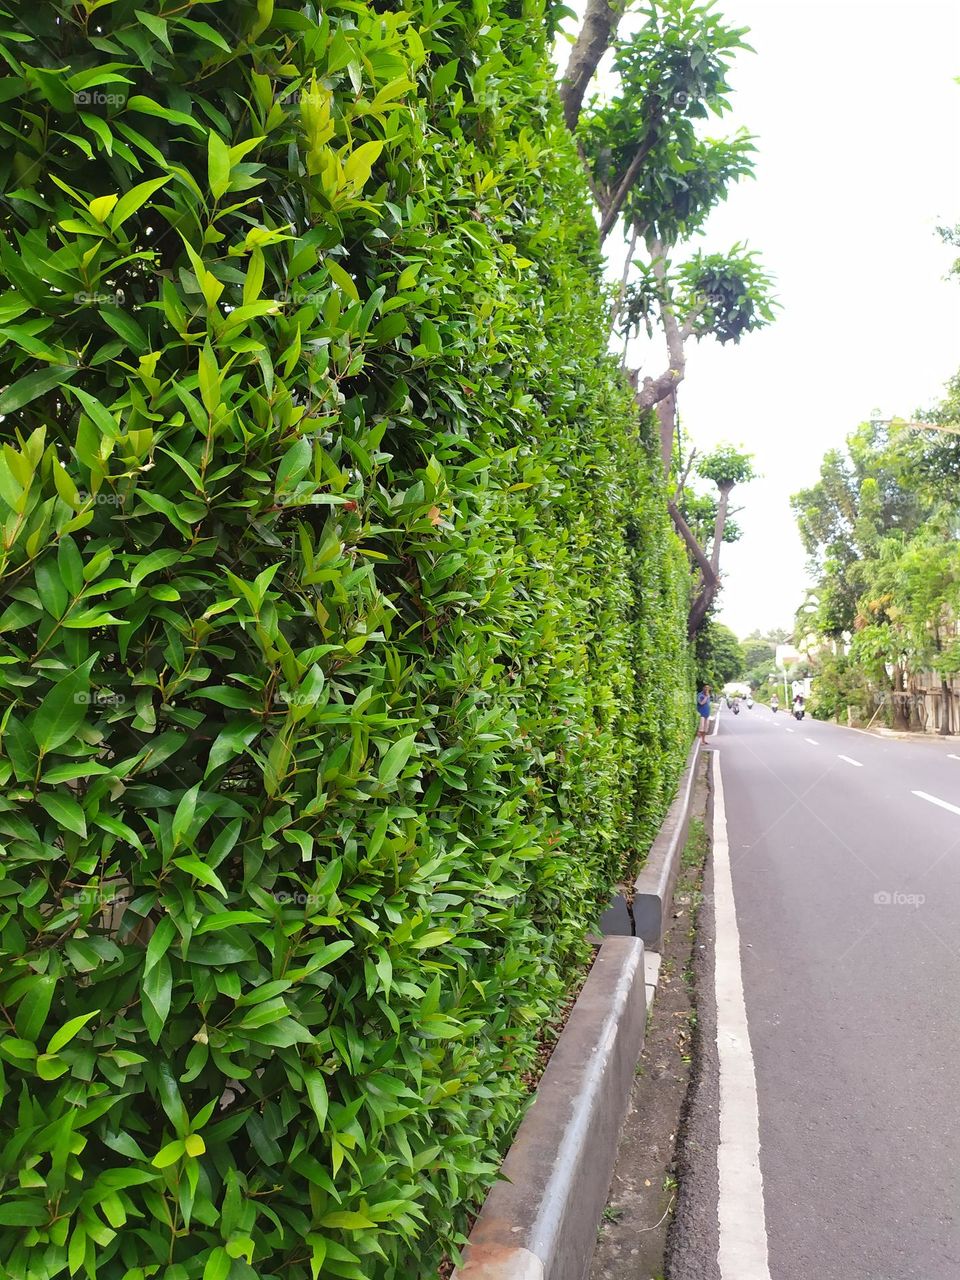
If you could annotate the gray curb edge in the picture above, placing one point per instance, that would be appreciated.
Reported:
(541, 1224)
(654, 886)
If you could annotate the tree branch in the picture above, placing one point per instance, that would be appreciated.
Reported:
(686, 472)
(621, 295)
(618, 199)
(600, 24)
(692, 545)
(690, 323)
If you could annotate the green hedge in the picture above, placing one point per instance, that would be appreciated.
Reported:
(343, 662)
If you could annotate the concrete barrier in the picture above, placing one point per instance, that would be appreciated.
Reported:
(542, 1223)
(654, 886)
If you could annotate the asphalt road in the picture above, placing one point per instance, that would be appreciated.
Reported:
(846, 886)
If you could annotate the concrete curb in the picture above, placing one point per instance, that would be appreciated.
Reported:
(654, 886)
(542, 1223)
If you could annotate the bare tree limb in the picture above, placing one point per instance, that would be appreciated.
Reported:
(691, 321)
(622, 292)
(710, 583)
(600, 24)
(693, 546)
(616, 202)
(686, 473)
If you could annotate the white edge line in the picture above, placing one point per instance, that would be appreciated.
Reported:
(943, 804)
(742, 1253)
(856, 763)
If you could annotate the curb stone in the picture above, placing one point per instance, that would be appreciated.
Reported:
(541, 1223)
(654, 886)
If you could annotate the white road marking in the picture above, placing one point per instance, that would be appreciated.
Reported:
(849, 761)
(813, 742)
(742, 1254)
(943, 804)
(951, 756)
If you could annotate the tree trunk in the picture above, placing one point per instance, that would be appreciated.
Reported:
(946, 728)
(901, 720)
(667, 413)
(719, 525)
(600, 24)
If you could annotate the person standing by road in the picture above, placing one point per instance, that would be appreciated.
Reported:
(703, 708)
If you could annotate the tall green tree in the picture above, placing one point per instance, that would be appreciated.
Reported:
(651, 164)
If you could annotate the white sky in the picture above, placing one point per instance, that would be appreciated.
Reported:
(857, 117)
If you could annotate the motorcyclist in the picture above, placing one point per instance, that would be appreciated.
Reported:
(774, 703)
(798, 705)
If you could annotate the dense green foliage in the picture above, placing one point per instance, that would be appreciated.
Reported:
(719, 655)
(880, 527)
(343, 658)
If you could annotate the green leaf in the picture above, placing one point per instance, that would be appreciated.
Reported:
(184, 814)
(169, 1154)
(50, 1067)
(25, 389)
(218, 165)
(159, 943)
(218, 1265)
(209, 377)
(346, 1221)
(134, 199)
(153, 563)
(317, 1095)
(392, 764)
(357, 166)
(194, 867)
(34, 1006)
(65, 811)
(63, 710)
(157, 988)
(430, 337)
(69, 1029)
(294, 464)
(23, 1213)
(341, 278)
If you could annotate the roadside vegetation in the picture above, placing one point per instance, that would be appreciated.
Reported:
(881, 526)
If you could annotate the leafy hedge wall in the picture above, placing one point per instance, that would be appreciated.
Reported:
(342, 660)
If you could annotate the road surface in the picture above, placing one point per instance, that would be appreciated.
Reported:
(829, 1011)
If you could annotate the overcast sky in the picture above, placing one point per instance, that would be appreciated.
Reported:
(857, 117)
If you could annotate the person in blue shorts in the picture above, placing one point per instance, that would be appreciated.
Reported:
(703, 707)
